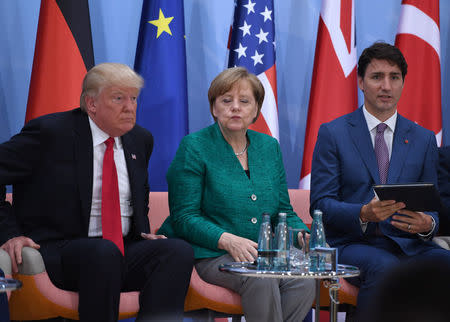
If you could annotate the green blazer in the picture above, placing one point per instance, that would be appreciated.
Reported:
(210, 193)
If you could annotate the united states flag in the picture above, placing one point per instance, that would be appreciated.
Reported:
(252, 45)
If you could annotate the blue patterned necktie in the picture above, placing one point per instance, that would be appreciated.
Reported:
(382, 153)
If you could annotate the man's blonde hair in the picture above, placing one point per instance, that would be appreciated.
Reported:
(105, 75)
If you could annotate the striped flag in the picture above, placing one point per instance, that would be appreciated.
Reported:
(333, 87)
(62, 56)
(252, 45)
(419, 40)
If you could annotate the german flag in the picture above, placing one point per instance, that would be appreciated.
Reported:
(62, 56)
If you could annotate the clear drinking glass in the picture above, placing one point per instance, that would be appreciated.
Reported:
(298, 254)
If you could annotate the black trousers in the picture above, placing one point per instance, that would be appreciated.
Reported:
(95, 268)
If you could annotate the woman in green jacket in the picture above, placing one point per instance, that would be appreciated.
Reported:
(221, 181)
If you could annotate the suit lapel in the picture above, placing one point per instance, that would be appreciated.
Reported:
(361, 138)
(400, 148)
(84, 164)
(130, 151)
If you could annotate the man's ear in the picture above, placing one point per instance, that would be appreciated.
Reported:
(90, 104)
(361, 83)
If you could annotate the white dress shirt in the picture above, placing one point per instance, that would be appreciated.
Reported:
(126, 210)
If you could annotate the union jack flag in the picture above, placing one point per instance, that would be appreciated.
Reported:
(252, 45)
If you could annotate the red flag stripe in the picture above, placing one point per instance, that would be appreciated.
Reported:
(261, 126)
(267, 121)
(346, 22)
(271, 74)
(58, 67)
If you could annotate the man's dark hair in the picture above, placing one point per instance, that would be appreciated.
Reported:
(382, 51)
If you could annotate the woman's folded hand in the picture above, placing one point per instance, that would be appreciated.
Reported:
(241, 249)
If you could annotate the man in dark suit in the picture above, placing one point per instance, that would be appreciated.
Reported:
(374, 145)
(81, 175)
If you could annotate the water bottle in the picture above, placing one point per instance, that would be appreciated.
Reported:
(265, 244)
(281, 259)
(317, 239)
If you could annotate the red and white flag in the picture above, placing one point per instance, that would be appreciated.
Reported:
(334, 86)
(419, 40)
(252, 45)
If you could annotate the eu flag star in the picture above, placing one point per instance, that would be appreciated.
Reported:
(162, 23)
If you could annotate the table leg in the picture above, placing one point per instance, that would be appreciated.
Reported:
(333, 305)
(333, 291)
(317, 313)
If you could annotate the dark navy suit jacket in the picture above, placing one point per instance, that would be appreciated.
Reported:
(344, 169)
(50, 165)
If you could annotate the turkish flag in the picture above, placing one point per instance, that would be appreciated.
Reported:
(419, 40)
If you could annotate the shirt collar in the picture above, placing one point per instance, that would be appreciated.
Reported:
(99, 136)
(373, 122)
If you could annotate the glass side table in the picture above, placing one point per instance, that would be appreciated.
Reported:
(331, 276)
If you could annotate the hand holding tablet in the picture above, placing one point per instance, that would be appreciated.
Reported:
(416, 196)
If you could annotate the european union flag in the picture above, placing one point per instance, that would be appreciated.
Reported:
(162, 105)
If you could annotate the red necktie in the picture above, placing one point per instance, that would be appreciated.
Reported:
(111, 219)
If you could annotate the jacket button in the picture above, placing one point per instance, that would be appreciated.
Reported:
(254, 197)
(254, 220)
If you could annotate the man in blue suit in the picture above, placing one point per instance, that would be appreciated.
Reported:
(353, 153)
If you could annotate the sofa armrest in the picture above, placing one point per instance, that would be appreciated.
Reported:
(5, 262)
(32, 262)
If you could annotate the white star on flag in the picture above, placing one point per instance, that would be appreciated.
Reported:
(250, 6)
(262, 36)
(241, 51)
(267, 14)
(257, 58)
(245, 28)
